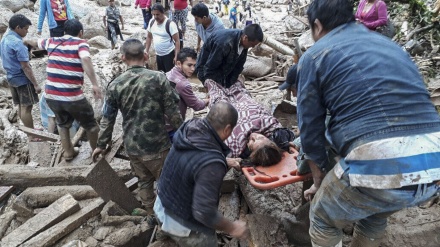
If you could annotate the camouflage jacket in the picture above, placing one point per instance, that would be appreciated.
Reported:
(143, 97)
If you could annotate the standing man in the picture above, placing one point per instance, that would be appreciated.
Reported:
(233, 16)
(57, 12)
(165, 37)
(110, 19)
(145, 8)
(206, 23)
(15, 60)
(383, 125)
(143, 97)
(223, 55)
(189, 187)
(68, 59)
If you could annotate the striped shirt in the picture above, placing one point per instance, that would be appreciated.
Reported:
(65, 74)
(394, 162)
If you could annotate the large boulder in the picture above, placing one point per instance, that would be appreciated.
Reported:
(99, 42)
(16, 5)
(5, 15)
(257, 67)
(306, 40)
(292, 23)
(93, 26)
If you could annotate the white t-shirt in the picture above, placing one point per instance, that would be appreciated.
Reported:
(161, 39)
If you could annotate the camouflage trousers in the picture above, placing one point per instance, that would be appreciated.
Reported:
(148, 168)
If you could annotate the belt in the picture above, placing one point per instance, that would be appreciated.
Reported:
(415, 186)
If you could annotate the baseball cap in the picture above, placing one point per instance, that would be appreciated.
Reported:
(290, 78)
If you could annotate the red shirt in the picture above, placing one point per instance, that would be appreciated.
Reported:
(180, 4)
(59, 10)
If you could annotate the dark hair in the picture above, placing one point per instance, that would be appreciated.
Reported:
(186, 52)
(267, 155)
(158, 7)
(200, 10)
(253, 32)
(133, 49)
(19, 20)
(221, 114)
(331, 13)
(72, 27)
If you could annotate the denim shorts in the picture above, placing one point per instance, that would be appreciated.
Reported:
(337, 204)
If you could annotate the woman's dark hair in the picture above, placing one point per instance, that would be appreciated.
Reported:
(266, 155)
(186, 52)
(331, 13)
(72, 27)
(19, 20)
(253, 32)
(200, 10)
(158, 7)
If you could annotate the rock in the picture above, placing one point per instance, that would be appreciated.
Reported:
(257, 8)
(99, 42)
(125, 2)
(141, 35)
(306, 40)
(122, 236)
(275, 9)
(76, 243)
(5, 15)
(91, 242)
(80, 10)
(93, 51)
(102, 2)
(257, 67)
(16, 5)
(292, 23)
(103, 232)
(93, 26)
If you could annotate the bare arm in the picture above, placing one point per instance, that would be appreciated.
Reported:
(90, 71)
(30, 75)
(148, 42)
(122, 22)
(177, 44)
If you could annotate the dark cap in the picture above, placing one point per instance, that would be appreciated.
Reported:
(290, 78)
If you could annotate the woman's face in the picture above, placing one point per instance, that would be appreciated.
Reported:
(256, 141)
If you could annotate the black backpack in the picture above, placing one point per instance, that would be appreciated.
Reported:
(167, 28)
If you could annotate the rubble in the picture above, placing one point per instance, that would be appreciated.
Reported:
(100, 194)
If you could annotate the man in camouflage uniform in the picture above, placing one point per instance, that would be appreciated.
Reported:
(143, 97)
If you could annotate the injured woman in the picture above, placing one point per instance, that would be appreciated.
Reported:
(258, 135)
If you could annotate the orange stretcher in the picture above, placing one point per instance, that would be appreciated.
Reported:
(283, 173)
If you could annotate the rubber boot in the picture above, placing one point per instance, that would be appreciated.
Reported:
(362, 241)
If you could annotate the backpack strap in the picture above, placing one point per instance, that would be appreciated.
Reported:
(167, 28)
(152, 22)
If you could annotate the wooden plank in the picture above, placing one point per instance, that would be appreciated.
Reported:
(132, 184)
(115, 147)
(22, 176)
(109, 186)
(5, 191)
(48, 217)
(56, 232)
(266, 231)
(40, 134)
(39, 197)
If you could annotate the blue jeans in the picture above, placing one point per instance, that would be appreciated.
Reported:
(147, 17)
(337, 204)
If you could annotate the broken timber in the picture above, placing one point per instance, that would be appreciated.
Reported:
(48, 217)
(56, 232)
(109, 186)
(278, 46)
(23, 176)
(40, 134)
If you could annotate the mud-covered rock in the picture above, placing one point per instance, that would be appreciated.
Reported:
(99, 42)
(16, 5)
(93, 26)
(5, 15)
(257, 67)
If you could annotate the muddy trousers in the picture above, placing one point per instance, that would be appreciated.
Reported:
(148, 168)
(337, 204)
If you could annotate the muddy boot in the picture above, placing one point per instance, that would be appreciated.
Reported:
(69, 151)
(362, 241)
